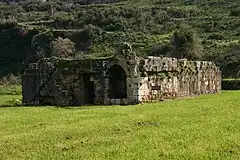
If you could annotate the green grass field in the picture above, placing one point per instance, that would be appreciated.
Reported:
(205, 127)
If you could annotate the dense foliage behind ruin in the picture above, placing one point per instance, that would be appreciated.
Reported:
(207, 30)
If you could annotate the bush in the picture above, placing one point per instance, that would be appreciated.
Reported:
(231, 84)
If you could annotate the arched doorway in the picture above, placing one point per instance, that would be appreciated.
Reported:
(117, 82)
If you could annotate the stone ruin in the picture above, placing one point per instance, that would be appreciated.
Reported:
(121, 79)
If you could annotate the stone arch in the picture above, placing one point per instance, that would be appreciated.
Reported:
(117, 82)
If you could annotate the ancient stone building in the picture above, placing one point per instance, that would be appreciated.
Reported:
(121, 79)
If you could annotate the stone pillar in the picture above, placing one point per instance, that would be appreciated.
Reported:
(98, 87)
(143, 89)
(132, 90)
(79, 90)
(106, 88)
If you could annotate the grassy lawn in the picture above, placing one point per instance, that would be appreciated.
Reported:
(206, 127)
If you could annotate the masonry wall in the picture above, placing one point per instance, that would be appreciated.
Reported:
(54, 82)
(171, 78)
(75, 82)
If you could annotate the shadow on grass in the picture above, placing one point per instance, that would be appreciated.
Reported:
(7, 105)
(13, 104)
(92, 106)
(18, 103)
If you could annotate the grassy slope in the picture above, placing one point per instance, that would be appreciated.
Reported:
(206, 127)
(207, 17)
(143, 23)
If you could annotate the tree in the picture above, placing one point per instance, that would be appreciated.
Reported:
(186, 44)
(63, 47)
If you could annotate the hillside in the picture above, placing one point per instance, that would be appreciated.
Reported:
(97, 26)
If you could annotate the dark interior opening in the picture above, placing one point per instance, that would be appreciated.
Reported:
(117, 82)
(89, 93)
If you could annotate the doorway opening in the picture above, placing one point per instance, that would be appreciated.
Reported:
(89, 92)
(117, 82)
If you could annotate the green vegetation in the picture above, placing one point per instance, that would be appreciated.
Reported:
(231, 84)
(205, 127)
(27, 29)
(186, 44)
(11, 90)
(10, 95)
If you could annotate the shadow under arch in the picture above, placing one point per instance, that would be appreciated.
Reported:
(117, 82)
